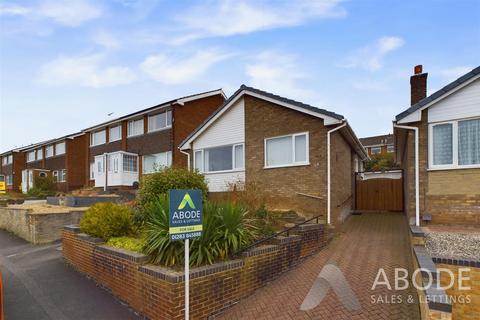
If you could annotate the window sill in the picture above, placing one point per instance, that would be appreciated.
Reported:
(158, 130)
(288, 165)
(455, 168)
(117, 140)
(135, 136)
(224, 171)
(96, 145)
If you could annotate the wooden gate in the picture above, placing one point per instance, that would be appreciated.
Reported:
(380, 194)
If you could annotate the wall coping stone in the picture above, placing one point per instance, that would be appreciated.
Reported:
(72, 227)
(174, 276)
(288, 239)
(457, 261)
(260, 250)
(417, 231)
(425, 262)
(310, 226)
(90, 239)
(123, 253)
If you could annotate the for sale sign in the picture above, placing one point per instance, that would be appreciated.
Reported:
(186, 214)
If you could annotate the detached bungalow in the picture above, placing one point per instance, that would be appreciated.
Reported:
(437, 144)
(62, 158)
(122, 150)
(303, 158)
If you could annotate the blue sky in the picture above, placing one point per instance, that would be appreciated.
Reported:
(65, 65)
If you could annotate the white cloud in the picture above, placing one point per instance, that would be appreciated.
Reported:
(278, 73)
(86, 71)
(177, 70)
(106, 40)
(454, 72)
(230, 17)
(371, 56)
(67, 12)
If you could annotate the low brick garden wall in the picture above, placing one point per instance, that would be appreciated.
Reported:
(453, 303)
(37, 228)
(158, 293)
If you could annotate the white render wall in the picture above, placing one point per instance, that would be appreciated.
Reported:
(465, 103)
(228, 129)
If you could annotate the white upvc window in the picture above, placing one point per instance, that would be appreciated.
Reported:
(390, 148)
(7, 160)
(130, 163)
(9, 180)
(60, 148)
(98, 138)
(92, 170)
(115, 133)
(55, 176)
(454, 144)
(49, 151)
(286, 151)
(376, 150)
(39, 154)
(135, 127)
(31, 156)
(220, 159)
(160, 121)
(156, 162)
(62, 175)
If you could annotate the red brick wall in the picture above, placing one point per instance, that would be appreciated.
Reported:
(158, 293)
(75, 161)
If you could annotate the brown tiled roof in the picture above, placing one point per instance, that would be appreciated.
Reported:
(377, 140)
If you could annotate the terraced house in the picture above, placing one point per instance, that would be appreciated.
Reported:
(62, 158)
(120, 151)
(438, 146)
(302, 157)
(11, 166)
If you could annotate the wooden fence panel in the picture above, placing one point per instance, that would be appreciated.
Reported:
(379, 194)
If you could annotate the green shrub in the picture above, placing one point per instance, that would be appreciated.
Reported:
(42, 187)
(225, 230)
(158, 183)
(107, 220)
(127, 243)
(380, 162)
(39, 193)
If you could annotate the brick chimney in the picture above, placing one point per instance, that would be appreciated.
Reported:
(418, 85)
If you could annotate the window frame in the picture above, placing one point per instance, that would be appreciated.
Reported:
(234, 169)
(294, 163)
(392, 148)
(455, 156)
(167, 125)
(46, 151)
(92, 134)
(39, 154)
(129, 134)
(110, 133)
(34, 152)
(9, 180)
(64, 148)
(379, 148)
(55, 176)
(168, 154)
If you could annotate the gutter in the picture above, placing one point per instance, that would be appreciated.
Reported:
(328, 170)
(417, 179)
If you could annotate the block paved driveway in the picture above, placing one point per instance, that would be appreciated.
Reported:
(38, 285)
(364, 244)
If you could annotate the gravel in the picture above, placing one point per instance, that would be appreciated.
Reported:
(453, 245)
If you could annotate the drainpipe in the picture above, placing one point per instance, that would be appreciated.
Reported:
(417, 179)
(105, 161)
(328, 170)
(188, 158)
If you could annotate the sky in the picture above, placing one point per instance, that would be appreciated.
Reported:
(66, 65)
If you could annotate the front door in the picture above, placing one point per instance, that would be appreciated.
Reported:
(99, 168)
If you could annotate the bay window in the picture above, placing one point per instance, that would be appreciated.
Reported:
(160, 121)
(135, 127)
(155, 162)
(454, 144)
(130, 163)
(115, 133)
(222, 158)
(284, 151)
(98, 138)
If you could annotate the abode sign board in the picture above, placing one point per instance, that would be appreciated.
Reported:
(186, 214)
(185, 223)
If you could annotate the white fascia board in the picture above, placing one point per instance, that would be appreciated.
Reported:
(417, 115)
(201, 96)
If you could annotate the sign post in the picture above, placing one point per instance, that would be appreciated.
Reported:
(185, 223)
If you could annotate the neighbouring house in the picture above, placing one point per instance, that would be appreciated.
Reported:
(120, 151)
(282, 147)
(437, 143)
(11, 165)
(378, 144)
(62, 158)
